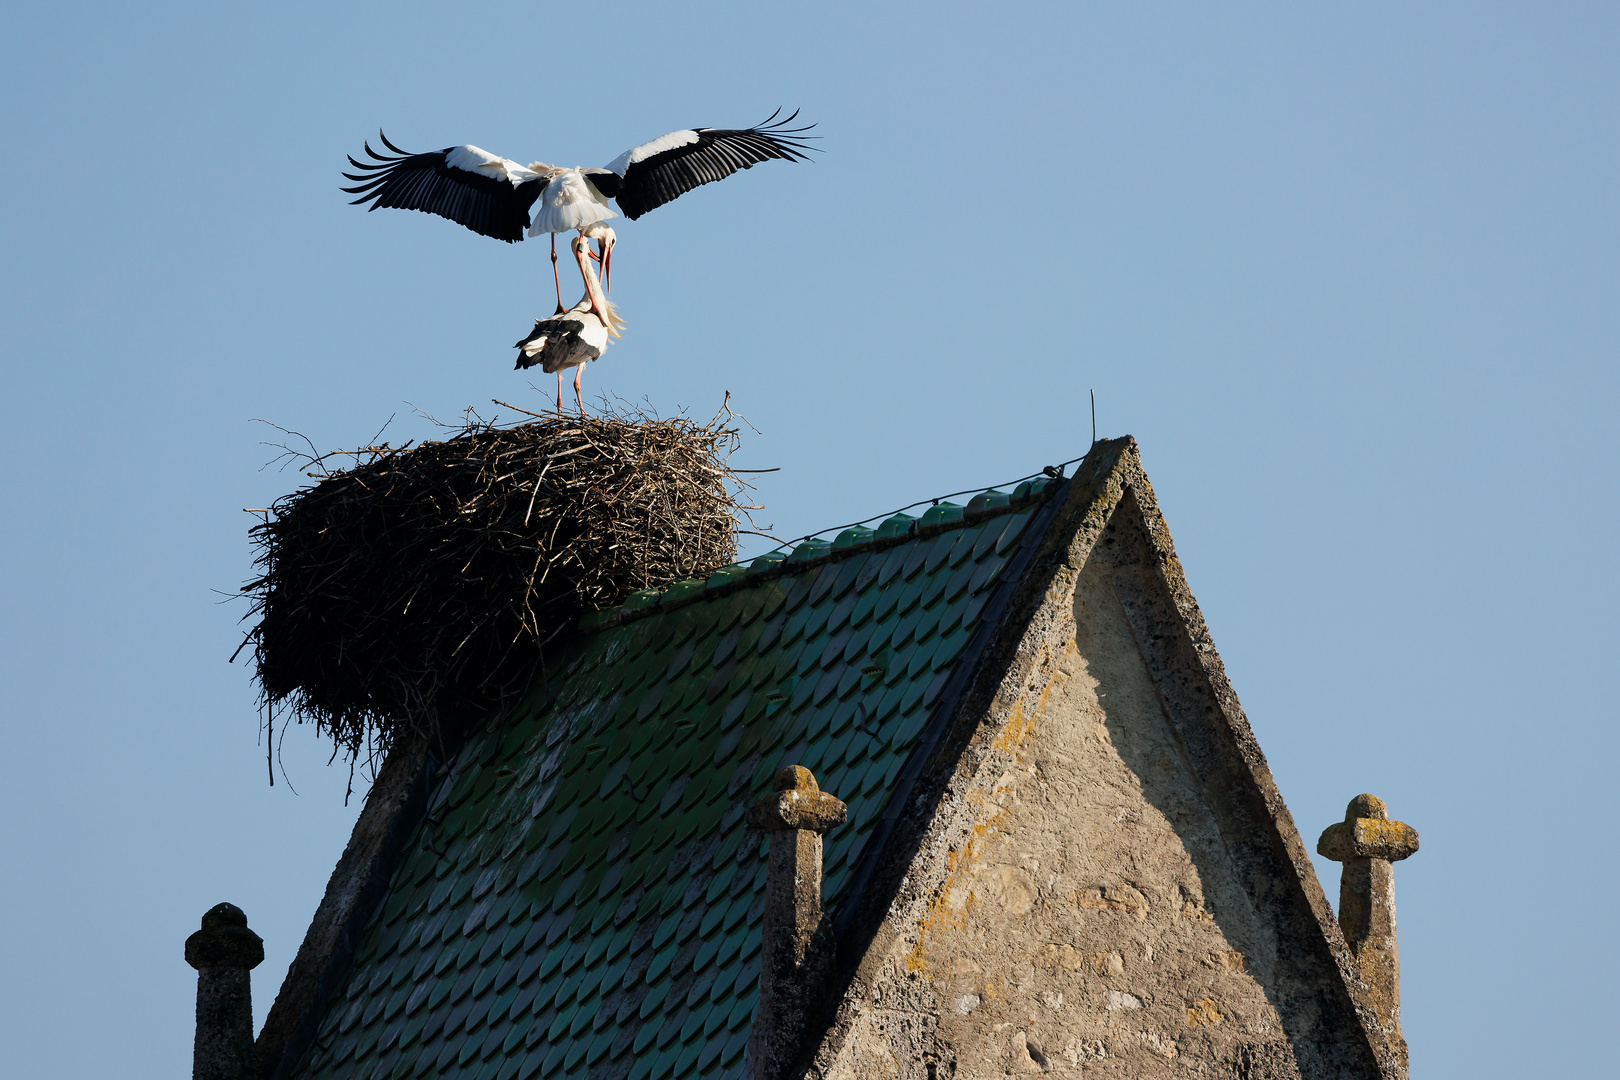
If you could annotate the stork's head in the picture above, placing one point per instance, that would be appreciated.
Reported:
(605, 238)
(582, 253)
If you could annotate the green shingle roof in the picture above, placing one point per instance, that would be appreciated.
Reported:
(584, 896)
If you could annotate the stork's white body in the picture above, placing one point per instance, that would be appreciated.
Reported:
(566, 340)
(569, 204)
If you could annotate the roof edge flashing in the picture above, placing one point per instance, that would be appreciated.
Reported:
(817, 553)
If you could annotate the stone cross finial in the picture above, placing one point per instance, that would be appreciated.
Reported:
(791, 964)
(224, 951)
(1368, 843)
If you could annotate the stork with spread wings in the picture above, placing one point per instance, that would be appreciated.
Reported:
(493, 196)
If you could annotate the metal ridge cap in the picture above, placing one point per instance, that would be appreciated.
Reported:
(619, 616)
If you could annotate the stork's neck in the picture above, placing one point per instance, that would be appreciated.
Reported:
(593, 291)
(593, 287)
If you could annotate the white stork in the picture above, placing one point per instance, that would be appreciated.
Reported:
(571, 338)
(492, 195)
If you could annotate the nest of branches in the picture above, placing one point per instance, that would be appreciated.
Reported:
(423, 582)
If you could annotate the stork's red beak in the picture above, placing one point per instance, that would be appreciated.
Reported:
(607, 268)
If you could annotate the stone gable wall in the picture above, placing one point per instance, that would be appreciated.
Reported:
(1108, 885)
(1090, 922)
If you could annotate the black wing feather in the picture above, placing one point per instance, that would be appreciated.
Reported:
(605, 181)
(427, 182)
(717, 153)
(562, 331)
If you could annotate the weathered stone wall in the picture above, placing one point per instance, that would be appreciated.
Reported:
(1091, 919)
(1109, 885)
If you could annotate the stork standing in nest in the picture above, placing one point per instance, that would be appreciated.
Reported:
(574, 336)
(491, 195)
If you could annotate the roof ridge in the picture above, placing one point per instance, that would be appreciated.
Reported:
(812, 552)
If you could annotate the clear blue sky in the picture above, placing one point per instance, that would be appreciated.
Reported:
(1348, 272)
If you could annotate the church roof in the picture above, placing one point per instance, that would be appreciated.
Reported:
(582, 894)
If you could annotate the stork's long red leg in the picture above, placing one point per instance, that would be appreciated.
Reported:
(558, 281)
(559, 391)
(579, 373)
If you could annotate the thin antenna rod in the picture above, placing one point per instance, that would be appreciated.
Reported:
(1094, 418)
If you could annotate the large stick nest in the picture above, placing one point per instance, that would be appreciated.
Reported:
(423, 582)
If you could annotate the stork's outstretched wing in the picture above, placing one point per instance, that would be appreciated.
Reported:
(653, 173)
(488, 194)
